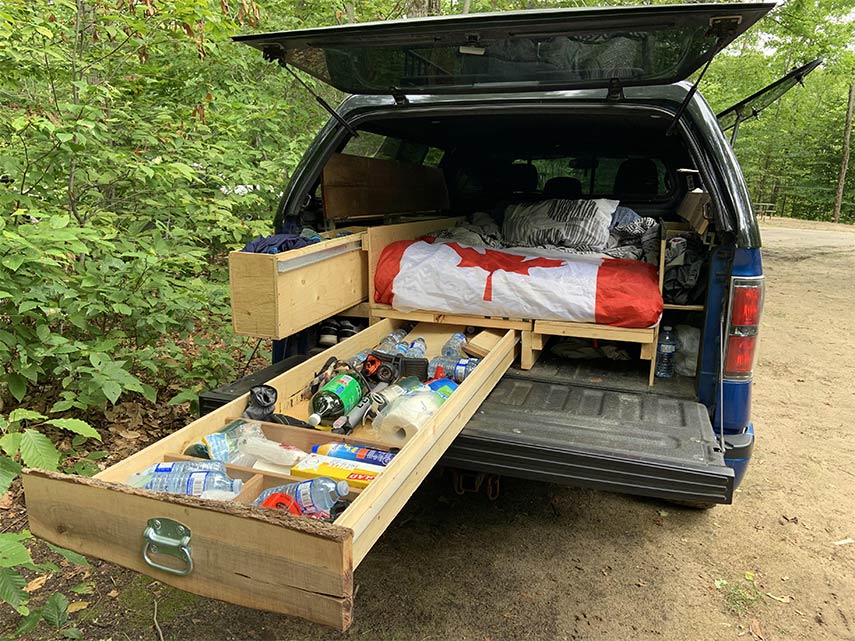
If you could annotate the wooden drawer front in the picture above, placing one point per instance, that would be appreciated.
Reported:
(255, 557)
(276, 295)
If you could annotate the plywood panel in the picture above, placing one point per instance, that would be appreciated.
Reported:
(358, 186)
(262, 559)
(380, 502)
(377, 238)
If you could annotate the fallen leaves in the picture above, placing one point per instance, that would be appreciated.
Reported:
(755, 629)
(76, 606)
(113, 594)
(36, 584)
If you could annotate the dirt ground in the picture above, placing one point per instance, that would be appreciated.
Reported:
(548, 562)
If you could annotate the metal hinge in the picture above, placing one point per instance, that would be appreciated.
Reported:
(724, 26)
(615, 90)
(400, 97)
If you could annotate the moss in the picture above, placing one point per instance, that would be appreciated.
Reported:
(139, 596)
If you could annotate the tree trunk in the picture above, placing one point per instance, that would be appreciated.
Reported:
(421, 8)
(844, 161)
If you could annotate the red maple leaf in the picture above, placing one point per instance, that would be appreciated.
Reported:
(492, 261)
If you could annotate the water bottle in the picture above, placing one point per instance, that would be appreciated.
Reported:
(665, 350)
(388, 344)
(452, 367)
(401, 348)
(187, 477)
(357, 360)
(315, 496)
(417, 349)
(381, 398)
(335, 399)
(454, 345)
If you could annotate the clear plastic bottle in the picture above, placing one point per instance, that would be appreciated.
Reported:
(665, 351)
(388, 344)
(315, 496)
(382, 398)
(417, 349)
(187, 477)
(452, 366)
(357, 360)
(454, 345)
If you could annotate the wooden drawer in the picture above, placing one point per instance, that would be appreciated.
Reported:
(276, 295)
(243, 554)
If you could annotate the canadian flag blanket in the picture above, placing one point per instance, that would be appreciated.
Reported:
(457, 279)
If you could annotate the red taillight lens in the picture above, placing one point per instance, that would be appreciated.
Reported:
(746, 306)
(739, 360)
(746, 303)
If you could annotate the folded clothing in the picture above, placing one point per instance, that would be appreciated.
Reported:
(457, 279)
(278, 243)
(582, 225)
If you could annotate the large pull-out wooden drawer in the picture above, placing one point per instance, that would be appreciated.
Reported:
(256, 557)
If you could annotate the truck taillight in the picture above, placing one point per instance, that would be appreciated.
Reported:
(746, 303)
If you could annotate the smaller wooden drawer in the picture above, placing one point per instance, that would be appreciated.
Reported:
(259, 558)
(277, 295)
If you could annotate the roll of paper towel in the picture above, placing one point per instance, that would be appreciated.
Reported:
(404, 416)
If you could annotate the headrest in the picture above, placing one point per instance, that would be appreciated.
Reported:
(563, 187)
(522, 177)
(635, 177)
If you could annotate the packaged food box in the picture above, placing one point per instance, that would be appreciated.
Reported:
(355, 473)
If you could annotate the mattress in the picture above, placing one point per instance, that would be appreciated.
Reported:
(459, 279)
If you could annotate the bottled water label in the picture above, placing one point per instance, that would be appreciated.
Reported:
(460, 369)
(664, 348)
(303, 494)
(164, 467)
(196, 483)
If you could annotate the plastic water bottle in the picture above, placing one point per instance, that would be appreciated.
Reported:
(417, 349)
(665, 350)
(315, 496)
(357, 360)
(454, 345)
(452, 366)
(187, 477)
(388, 344)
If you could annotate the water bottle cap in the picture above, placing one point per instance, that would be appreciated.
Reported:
(342, 488)
(237, 486)
(667, 328)
(314, 420)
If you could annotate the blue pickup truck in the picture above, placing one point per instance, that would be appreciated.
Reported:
(588, 103)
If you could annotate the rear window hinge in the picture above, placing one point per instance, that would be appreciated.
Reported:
(724, 26)
(400, 97)
(615, 90)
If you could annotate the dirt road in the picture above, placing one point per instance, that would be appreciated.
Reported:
(546, 562)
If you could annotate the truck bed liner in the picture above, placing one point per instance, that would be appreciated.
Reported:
(640, 443)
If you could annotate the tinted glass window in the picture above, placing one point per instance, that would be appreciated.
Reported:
(599, 176)
(371, 145)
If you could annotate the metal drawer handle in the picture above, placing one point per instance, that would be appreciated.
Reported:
(165, 536)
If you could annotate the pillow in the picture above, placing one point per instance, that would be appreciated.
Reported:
(582, 225)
